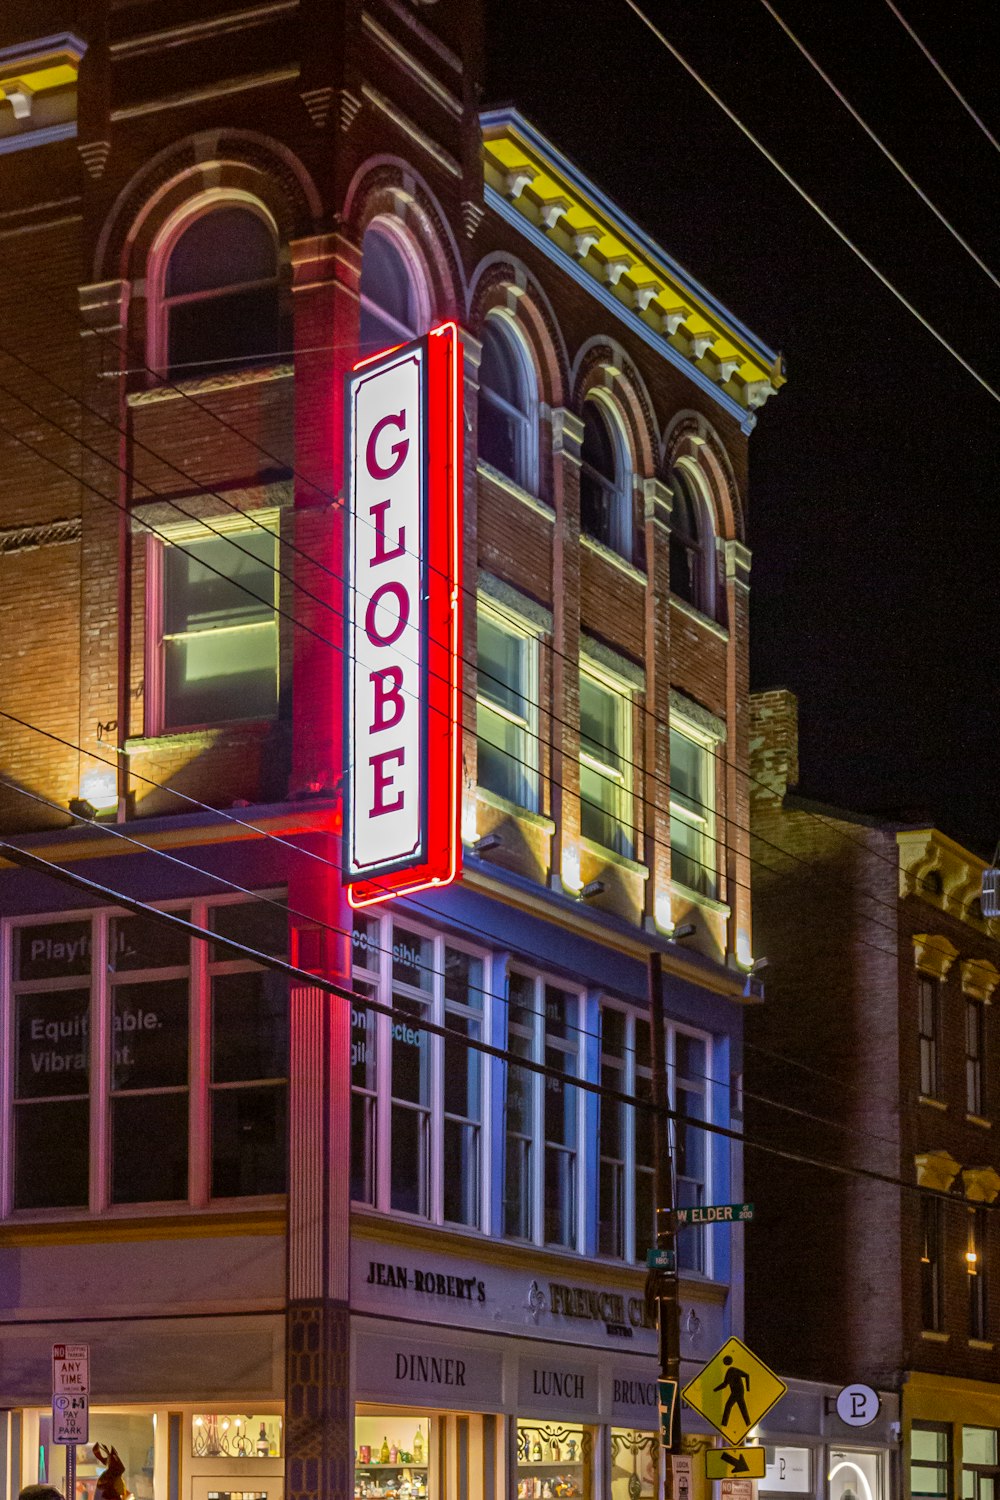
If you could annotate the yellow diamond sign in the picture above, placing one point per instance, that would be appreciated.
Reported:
(734, 1391)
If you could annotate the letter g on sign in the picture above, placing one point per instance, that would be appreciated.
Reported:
(398, 450)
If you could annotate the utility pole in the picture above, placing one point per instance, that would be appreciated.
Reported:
(662, 1281)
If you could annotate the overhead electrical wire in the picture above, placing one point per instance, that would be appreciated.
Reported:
(942, 218)
(808, 199)
(343, 992)
(943, 75)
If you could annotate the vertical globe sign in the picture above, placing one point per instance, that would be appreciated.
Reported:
(403, 619)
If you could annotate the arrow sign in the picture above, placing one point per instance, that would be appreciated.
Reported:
(724, 1463)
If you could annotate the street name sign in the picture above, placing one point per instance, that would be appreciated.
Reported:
(70, 1419)
(717, 1213)
(71, 1368)
(734, 1390)
(732, 1463)
(661, 1260)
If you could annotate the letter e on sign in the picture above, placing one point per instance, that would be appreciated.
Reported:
(402, 619)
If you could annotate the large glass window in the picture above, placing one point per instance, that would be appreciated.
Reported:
(626, 1211)
(930, 1460)
(605, 763)
(417, 1100)
(977, 1268)
(219, 629)
(176, 1028)
(980, 1463)
(693, 858)
(635, 1464)
(221, 293)
(389, 309)
(691, 545)
(506, 408)
(507, 709)
(929, 1022)
(541, 1168)
(605, 501)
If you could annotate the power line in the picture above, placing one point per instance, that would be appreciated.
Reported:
(942, 74)
(881, 145)
(805, 196)
(515, 1060)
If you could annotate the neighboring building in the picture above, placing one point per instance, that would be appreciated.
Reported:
(311, 1245)
(876, 1051)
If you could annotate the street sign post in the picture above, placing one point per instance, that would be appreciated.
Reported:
(735, 1463)
(70, 1420)
(715, 1213)
(734, 1390)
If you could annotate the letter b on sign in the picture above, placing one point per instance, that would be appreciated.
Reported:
(858, 1405)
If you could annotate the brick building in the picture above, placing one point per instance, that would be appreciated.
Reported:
(314, 1245)
(878, 1042)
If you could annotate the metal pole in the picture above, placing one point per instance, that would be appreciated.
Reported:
(663, 1281)
(70, 1471)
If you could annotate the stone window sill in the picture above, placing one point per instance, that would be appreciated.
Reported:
(511, 487)
(194, 739)
(978, 1120)
(696, 898)
(935, 1338)
(514, 810)
(696, 615)
(932, 1103)
(985, 1344)
(202, 385)
(611, 857)
(614, 558)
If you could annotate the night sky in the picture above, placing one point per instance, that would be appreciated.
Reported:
(874, 472)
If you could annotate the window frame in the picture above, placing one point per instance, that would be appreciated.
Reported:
(158, 304)
(975, 1047)
(619, 488)
(688, 476)
(379, 978)
(929, 1036)
(185, 534)
(625, 841)
(631, 1071)
(706, 826)
(932, 1240)
(943, 1429)
(101, 983)
(978, 1274)
(525, 418)
(385, 229)
(528, 727)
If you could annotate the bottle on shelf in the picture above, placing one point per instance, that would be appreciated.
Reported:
(263, 1446)
(555, 1451)
(383, 1456)
(418, 1446)
(536, 1452)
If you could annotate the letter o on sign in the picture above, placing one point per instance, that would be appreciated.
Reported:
(857, 1405)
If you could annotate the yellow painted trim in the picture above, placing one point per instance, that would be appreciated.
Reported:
(533, 1259)
(717, 982)
(260, 1222)
(519, 172)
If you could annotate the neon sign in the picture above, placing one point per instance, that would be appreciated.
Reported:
(402, 619)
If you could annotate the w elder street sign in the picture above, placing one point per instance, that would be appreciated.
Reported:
(402, 614)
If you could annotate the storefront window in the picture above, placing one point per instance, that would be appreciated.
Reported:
(930, 1460)
(635, 1464)
(235, 1435)
(980, 1473)
(855, 1475)
(392, 1453)
(131, 1434)
(554, 1461)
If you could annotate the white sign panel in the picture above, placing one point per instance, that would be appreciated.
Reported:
(71, 1368)
(788, 1471)
(70, 1419)
(386, 639)
(680, 1463)
(857, 1405)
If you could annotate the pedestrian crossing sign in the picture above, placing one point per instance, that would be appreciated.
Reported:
(734, 1390)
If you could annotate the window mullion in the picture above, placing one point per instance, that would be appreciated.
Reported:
(200, 1097)
(436, 1085)
(538, 1116)
(383, 1073)
(101, 1043)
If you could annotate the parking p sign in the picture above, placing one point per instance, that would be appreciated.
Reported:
(70, 1419)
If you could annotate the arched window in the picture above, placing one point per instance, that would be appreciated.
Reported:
(220, 292)
(506, 407)
(605, 502)
(692, 553)
(390, 312)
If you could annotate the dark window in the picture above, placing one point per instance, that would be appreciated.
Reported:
(519, 1111)
(249, 1083)
(931, 1310)
(976, 1265)
(611, 1192)
(51, 1092)
(605, 508)
(221, 297)
(974, 1036)
(690, 545)
(505, 436)
(929, 1016)
(388, 302)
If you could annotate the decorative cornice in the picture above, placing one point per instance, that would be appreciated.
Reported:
(531, 183)
(46, 67)
(936, 870)
(46, 534)
(225, 380)
(536, 615)
(658, 502)
(698, 717)
(933, 954)
(567, 433)
(607, 658)
(936, 1169)
(979, 979)
(981, 1184)
(737, 561)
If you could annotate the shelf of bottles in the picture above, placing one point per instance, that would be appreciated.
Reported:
(390, 1457)
(235, 1435)
(554, 1461)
